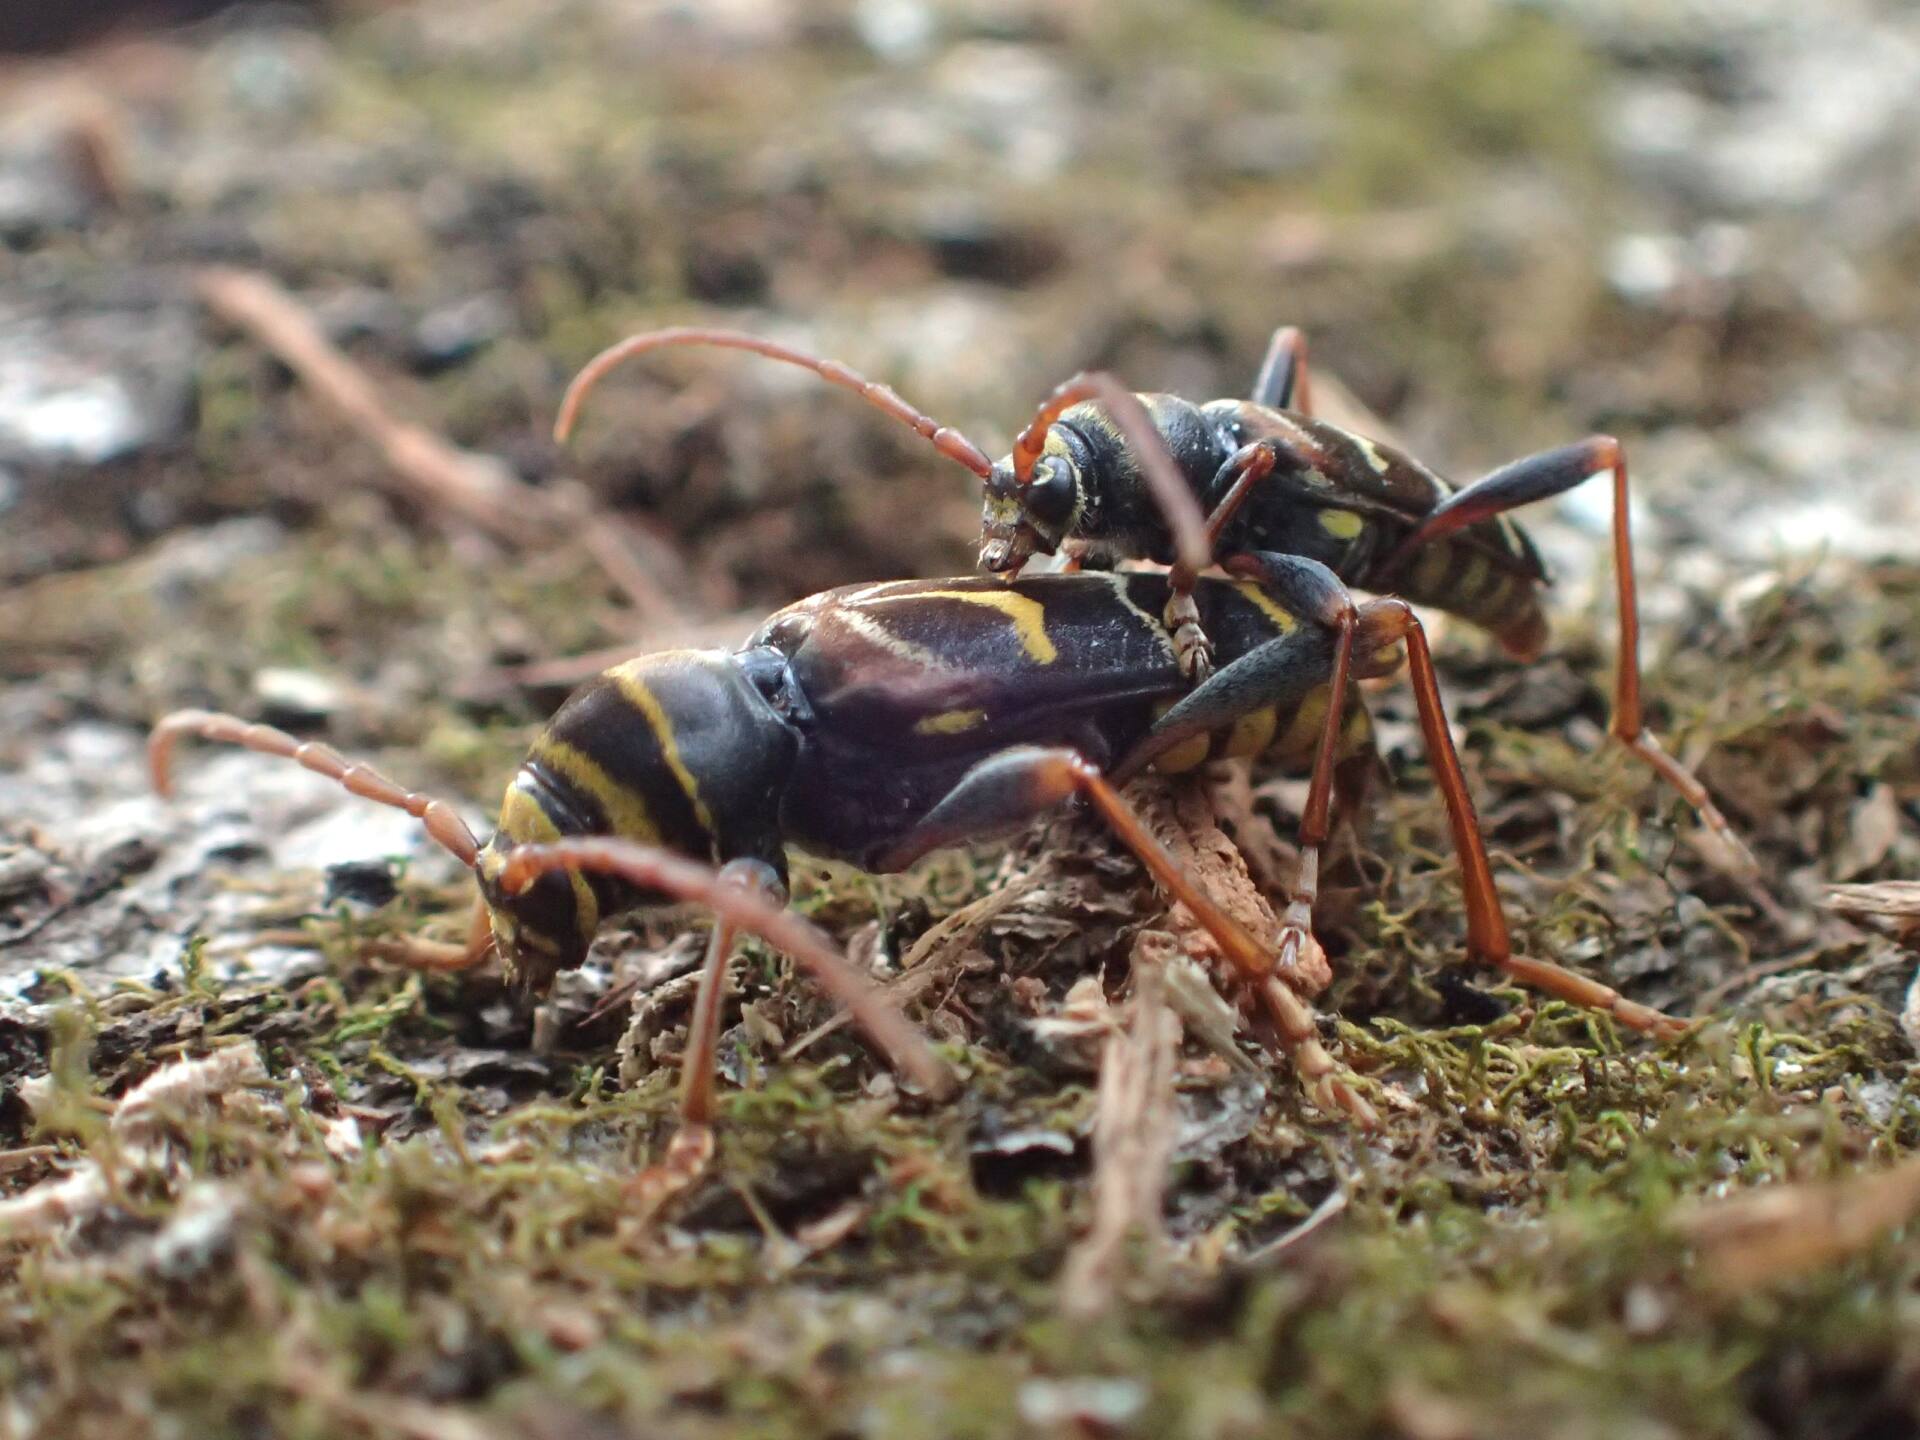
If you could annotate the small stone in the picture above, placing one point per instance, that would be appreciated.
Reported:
(1644, 1311)
(365, 883)
(896, 30)
(295, 697)
(455, 333)
(92, 388)
(1110, 1401)
(1644, 269)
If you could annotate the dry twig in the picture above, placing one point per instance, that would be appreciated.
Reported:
(1896, 903)
(1132, 1141)
(421, 466)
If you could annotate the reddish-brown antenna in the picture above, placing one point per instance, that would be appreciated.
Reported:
(363, 780)
(645, 865)
(948, 441)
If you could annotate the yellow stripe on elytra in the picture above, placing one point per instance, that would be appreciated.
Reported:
(1283, 620)
(627, 678)
(950, 722)
(871, 630)
(1341, 524)
(1370, 452)
(1153, 625)
(625, 808)
(525, 822)
(1028, 615)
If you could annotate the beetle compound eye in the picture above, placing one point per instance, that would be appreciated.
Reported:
(1050, 499)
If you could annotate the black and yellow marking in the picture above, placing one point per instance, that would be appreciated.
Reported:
(1288, 735)
(1463, 578)
(1026, 615)
(538, 808)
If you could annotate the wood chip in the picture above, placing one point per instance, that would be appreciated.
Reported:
(1778, 1231)
(1896, 902)
(1132, 1142)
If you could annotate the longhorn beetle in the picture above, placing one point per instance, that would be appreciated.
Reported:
(1105, 474)
(877, 723)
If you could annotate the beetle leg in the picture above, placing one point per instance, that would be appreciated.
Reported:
(651, 868)
(1287, 669)
(1234, 481)
(1487, 938)
(1192, 648)
(1025, 781)
(1552, 472)
(691, 1148)
(1310, 590)
(1283, 383)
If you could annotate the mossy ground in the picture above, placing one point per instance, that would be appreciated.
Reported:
(861, 1262)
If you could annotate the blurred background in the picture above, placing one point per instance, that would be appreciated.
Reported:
(1503, 224)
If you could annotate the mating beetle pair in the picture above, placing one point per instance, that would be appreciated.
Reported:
(877, 723)
(1102, 474)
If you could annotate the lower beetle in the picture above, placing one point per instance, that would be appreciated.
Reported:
(877, 723)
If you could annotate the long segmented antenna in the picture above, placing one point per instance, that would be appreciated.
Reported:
(442, 823)
(1176, 498)
(944, 438)
(654, 869)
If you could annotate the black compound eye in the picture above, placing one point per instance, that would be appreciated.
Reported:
(1049, 499)
(771, 673)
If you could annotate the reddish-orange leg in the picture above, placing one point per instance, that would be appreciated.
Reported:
(1244, 469)
(645, 866)
(691, 1149)
(1264, 678)
(944, 438)
(650, 868)
(1382, 622)
(1551, 473)
(1026, 781)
